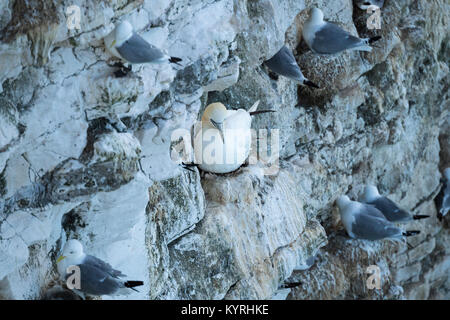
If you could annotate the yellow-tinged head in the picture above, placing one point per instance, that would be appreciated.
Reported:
(215, 113)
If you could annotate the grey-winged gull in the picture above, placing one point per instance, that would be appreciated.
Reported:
(442, 199)
(363, 221)
(96, 276)
(284, 64)
(324, 37)
(387, 207)
(126, 44)
(365, 4)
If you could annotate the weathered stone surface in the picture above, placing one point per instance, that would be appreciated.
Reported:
(84, 154)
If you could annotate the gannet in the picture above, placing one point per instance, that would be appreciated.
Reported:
(223, 141)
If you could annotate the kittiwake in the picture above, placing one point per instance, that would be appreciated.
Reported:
(96, 276)
(364, 221)
(387, 207)
(284, 64)
(324, 37)
(126, 44)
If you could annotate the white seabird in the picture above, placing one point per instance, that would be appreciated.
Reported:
(324, 37)
(387, 207)
(365, 4)
(284, 64)
(442, 199)
(96, 276)
(127, 45)
(223, 142)
(363, 221)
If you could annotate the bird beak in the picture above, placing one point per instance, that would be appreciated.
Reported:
(219, 127)
(60, 259)
(113, 43)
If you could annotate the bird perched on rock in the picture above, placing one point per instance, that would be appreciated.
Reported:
(324, 37)
(387, 207)
(442, 199)
(363, 221)
(96, 276)
(365, 4)
(127, 45)
(284, 64)
(223, 142)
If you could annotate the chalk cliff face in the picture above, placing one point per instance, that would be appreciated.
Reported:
(85, 155)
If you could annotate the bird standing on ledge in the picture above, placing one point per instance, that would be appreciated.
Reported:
(223, 142)
(96, 276)
(324, 37)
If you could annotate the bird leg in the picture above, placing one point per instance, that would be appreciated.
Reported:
(123, 70)
(273, 76)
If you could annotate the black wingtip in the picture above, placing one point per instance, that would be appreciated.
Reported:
(187, 166)
(131, 284)
(260, 111)
(291, 285)
(175, 60)
(420, 216)
(374, 39)
(310, 84)
(411, 233)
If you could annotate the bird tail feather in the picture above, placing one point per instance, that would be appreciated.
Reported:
(310, 84)
(260, 111)
(131, 284)
(374, 39)
(365, 46)
(411, 233)
(175, 60)
(420, 216)
(254, 106)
